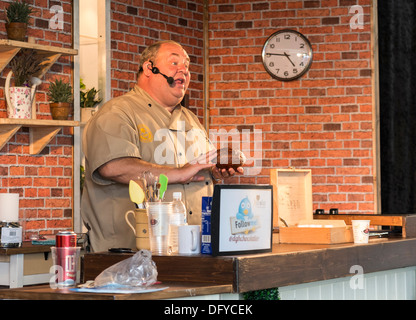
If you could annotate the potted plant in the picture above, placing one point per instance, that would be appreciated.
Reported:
(24, 66)
(60, 96)
(88, 101)
(17, 18)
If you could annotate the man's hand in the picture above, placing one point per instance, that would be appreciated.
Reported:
(125, 169)
(219, 174)
(189, 172)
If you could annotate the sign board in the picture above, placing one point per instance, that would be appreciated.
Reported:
(241, 219)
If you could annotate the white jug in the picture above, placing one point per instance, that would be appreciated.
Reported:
(19, 100)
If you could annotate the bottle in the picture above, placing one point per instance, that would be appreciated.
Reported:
(177, 218)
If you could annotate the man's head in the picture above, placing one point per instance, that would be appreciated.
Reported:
(170, 59)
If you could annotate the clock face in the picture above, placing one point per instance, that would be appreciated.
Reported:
(287, 55)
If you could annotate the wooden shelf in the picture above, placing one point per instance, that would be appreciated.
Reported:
(9, 48)
(41, 132)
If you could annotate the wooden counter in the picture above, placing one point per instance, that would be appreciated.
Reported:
(174, 290)
(288, 264)
(201, 268)
(296, 264)
(26, 247)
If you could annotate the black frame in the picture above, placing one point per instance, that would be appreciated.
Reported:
(216, 220)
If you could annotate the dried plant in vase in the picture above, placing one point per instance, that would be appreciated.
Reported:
(24, 67)
(26, 64)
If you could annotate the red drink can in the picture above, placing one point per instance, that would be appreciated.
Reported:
(65, 256)
(65, 239)
(65, 263)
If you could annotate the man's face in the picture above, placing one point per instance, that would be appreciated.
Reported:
(172, 61)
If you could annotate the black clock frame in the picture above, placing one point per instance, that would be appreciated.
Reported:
(297, 33)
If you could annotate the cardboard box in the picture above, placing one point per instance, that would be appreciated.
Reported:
(317, 231)
(292, 205)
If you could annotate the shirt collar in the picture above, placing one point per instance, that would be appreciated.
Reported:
(178, 119)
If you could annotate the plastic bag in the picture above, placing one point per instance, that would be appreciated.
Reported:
(138, 270)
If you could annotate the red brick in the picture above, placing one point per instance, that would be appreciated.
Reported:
(35, 224)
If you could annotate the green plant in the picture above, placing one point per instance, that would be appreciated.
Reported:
(18, 12)
(88, 98)
(266, 294)
(25, 65)
(60, 91)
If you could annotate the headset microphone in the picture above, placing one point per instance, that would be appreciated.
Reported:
(170, 80)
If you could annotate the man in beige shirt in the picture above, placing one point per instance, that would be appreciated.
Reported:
(146, 130)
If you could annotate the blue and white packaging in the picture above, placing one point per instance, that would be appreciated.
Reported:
(206, 225)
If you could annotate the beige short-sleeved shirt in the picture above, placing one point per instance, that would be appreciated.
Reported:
(135, 125)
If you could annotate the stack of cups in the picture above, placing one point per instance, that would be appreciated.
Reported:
(158, 215)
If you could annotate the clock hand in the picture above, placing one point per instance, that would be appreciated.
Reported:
(276, 54)
(287, 56)
(284, 54)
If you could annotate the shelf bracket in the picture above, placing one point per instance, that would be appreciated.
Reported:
(6, 132)
(7, 54)
(40, 137)
(50, 60)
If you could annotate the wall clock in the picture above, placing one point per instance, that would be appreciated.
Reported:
(287, 55)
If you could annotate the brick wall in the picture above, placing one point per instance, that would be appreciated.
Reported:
(137, 24)
(44, 182)
(322, 121)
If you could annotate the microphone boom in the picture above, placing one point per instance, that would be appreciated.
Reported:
(170, 80)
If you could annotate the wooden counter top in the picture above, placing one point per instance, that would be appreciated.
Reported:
(27, 247)
(288, 264)
(175, 290)
(295, 264)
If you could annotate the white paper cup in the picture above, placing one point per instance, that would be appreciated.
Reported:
(360, 229)
(158, 214)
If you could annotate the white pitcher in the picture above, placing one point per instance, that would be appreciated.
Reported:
(19, 100)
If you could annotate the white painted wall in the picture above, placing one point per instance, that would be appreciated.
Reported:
(397, 284)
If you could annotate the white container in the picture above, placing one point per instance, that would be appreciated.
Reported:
(9, 207)
(189, 239)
